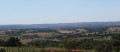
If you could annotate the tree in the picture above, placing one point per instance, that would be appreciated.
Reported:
(70, 43)
(116, 42)
(12, 41)
(2, 43)
(104, 47)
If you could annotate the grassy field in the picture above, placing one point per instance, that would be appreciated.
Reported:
(33, 49)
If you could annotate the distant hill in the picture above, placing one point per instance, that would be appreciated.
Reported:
(61, 25)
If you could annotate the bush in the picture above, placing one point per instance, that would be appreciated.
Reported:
(2, 49)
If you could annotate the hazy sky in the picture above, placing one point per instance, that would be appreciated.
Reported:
(58, 11)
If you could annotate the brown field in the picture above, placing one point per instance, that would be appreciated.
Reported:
(2, 31)
(113, 29)
(66, 31)
(81, 29)
(39, 34)
(26, 40)
(91, 33)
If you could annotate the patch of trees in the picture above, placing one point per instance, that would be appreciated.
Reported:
(66, 36)
(45, 30)
(85, 44)
(22, 31)
(99, 46)
(44, 43)
(14, 33)
(11, 42)
(30, 36)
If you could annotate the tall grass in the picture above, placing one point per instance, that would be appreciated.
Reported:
(22, 49)
(34, 49)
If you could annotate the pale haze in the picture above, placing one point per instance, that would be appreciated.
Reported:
(58, 11)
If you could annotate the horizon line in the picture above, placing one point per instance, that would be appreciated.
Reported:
(60, 23)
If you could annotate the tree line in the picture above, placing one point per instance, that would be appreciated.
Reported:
(11, 42)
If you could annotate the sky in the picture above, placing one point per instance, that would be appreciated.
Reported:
(58, 11)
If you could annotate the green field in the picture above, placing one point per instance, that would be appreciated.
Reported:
(33, 49)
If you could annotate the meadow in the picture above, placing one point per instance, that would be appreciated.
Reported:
(34, 49)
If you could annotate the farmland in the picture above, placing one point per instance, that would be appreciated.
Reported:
(81, 39)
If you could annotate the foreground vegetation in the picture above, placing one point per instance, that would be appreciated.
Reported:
(14, 45)
(34, 49)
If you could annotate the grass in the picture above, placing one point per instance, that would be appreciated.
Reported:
(34, 49)
(104, 38)
(22, 49)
